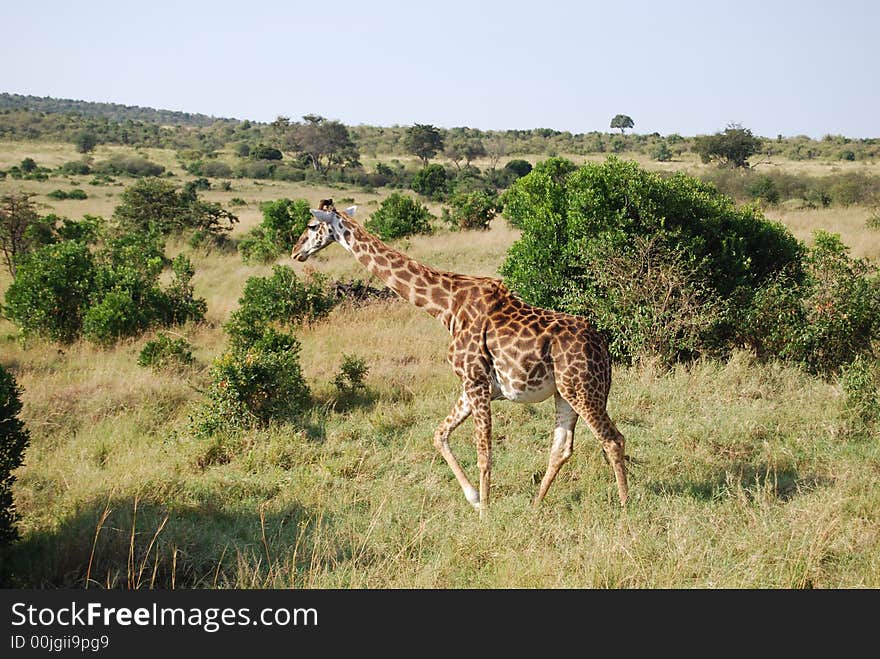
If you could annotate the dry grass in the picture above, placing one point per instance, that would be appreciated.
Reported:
(848, 222)
(744, 474)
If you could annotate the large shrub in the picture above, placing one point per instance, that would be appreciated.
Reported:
(166, 352)
(255, 383)
(399, 216)
(63, 290)
(655, 306)
(431, 181)
(154, 204)
(470, 210)
(14, 439)
(283, 222)
(130, 165)
(51, 291)
(575, 218)
(117, 315)
(281, 299)
(825, 320)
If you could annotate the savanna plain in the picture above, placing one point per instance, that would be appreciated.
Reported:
(743, 473)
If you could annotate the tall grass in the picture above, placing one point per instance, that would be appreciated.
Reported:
(743, 474)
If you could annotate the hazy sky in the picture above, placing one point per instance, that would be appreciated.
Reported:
(791, 67)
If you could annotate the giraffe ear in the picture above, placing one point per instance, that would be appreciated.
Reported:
(322, 216)
(351, 210)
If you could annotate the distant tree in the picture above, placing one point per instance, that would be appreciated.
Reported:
(280, 125)
(18, 220)
(496, 149)
(455, 152)
(156, 204)
(473, 149)
(28, 165)
(661, 152)
(732, 147)
(85, 141)
(519, 167)
(465, 147)
(263, 152)
(323, 143)
(622, 122)
(423, 141)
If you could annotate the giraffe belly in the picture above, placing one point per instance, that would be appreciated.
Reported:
(523, 391)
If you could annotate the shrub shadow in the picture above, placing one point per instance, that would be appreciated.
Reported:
(754, 479)
(199, 544)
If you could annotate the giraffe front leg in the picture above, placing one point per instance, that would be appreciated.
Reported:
(459, 413)
(481, 398)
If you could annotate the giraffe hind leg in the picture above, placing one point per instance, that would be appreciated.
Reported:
(562, 447)
(612, 440)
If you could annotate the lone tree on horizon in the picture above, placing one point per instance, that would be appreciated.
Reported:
(622, 121)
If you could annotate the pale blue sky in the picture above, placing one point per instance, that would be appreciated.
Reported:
(790, 67)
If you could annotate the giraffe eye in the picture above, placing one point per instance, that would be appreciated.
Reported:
(312, 227)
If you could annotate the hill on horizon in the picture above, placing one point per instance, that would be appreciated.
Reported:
(112, 111)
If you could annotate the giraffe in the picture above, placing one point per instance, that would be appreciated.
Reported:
(502, 348)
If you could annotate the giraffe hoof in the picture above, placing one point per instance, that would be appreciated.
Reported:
(473, 497)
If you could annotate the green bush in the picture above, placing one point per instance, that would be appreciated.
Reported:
(399, 216)
(281, 299)
(211, 168)
(156, 205)
(51, 291)
(283, 222)
(574, 218)
(825, 320)
(661, 153)
(14, 440)
(518, 167)
(118, 165)
(648, 299)
(763, 188)
(263, 152)
(165, 352)
(181, 305)
(351, 374)
(470, 210)
(254, 384)
(63, 291)
(431, 181)
(258, 169)
(256, 247)
(117, 315)
(75, 167)
(76, 193)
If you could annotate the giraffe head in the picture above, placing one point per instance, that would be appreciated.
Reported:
(326, 226)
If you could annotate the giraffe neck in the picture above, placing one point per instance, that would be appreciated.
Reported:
(421, 285)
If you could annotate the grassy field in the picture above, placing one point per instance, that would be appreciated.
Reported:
(743, 474)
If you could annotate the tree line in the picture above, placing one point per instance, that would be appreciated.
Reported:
(33, 118)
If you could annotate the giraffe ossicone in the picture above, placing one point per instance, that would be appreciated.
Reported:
(502, 348)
